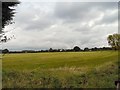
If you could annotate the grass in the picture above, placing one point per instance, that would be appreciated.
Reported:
(60, 70)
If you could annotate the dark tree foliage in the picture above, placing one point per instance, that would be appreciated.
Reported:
(8, 12)
(6, 17)
(50, 50)
(86, 49)
(76, 48)
(5, 51)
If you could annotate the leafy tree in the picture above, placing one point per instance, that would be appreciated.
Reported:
(76, 48)
(7, 15)
(86, 49)
(50, 50)
(5, 51)
(114, 41)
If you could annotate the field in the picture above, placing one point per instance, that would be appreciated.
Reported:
(60, 69)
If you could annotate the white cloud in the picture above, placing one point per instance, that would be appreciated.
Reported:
(62, 25)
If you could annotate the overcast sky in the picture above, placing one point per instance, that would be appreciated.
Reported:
(43, 25)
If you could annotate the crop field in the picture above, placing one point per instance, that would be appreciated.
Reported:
(95, 69)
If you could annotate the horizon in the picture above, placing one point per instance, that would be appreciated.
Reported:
(55, 49)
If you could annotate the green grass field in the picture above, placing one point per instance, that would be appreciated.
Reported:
(60, 69)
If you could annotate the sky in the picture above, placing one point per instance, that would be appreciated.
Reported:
(44, 25)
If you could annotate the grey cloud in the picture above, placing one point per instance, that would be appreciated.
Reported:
(109, 18)
(82, 11)
(83, 29)
(33, 17)
(63, 25)
(40, 24)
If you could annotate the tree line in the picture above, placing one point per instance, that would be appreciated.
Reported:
(75, 49)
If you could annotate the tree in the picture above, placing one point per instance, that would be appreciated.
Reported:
(50, 50)
(86, 49)
(5, 51)
(114, 41)
(76, 48)
(7, 15)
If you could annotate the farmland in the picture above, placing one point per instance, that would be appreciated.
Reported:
(95, 69)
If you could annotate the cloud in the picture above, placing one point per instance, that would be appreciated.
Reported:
(63, 25)
(33, 16)
(82, 11)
